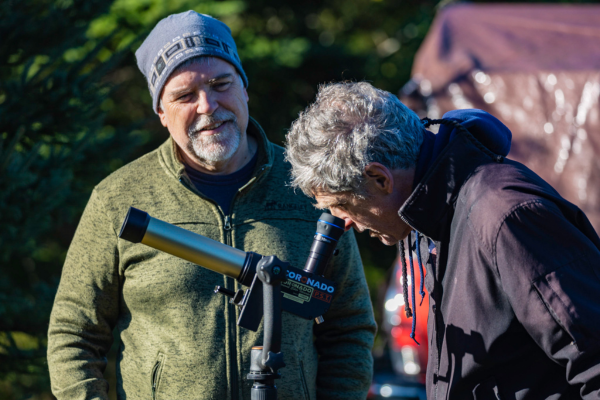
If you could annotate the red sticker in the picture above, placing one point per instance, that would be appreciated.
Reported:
(326, 297)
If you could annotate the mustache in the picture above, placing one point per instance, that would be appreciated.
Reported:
(204, 121)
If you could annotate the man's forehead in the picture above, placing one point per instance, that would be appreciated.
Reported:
(209, 67)
(327, 199)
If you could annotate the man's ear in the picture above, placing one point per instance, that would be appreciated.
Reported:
(379, 177)
(163, 116)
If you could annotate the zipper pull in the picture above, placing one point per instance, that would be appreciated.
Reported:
(154, 376)
(227, 223)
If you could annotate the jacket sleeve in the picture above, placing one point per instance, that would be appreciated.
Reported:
(85, 309)
(345, 339)
(551, 272)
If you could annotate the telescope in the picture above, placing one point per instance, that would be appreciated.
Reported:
(273, 284)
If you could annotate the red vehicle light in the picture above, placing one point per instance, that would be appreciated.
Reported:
(408, 358)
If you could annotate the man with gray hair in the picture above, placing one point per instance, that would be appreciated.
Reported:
(217, 175)
(514, 275)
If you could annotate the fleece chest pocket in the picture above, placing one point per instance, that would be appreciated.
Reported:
(156, 373)
(566, 293)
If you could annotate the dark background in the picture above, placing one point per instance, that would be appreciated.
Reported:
(74, 107)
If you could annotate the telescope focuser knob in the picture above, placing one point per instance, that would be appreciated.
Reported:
(224, 291)
(235, 297)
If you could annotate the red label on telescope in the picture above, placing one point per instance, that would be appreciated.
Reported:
(326, 297)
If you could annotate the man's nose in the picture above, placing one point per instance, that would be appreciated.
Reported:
(207, 104)
(347, 221)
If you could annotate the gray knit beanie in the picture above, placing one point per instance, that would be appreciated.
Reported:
(178, 38)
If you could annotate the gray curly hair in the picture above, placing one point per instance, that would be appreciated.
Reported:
(350, 125)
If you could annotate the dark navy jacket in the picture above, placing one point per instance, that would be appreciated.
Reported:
(515, 286)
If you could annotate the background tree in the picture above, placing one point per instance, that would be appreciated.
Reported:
(54, 146)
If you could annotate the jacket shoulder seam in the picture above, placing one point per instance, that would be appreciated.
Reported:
(102, 207)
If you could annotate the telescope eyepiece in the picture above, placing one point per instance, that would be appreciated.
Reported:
(330, 226)
(329, 231)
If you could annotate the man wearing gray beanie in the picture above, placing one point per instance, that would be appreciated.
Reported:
(219, 176)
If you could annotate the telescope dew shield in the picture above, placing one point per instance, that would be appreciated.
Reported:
(139, 227)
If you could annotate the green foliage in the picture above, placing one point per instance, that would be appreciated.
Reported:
(289, 49)
(54, 146)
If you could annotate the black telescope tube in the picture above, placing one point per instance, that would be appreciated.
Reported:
(139, 227)
(329, 231)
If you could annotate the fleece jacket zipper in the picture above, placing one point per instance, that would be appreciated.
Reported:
(231, 326)
(229, 284)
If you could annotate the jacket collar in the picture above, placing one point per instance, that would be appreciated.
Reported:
(171, 161)
(430, 207)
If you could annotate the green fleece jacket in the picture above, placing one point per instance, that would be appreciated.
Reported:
(178, 340)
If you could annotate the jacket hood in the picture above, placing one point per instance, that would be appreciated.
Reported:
(486, 128)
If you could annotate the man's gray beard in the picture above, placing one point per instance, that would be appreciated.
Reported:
(214, 148)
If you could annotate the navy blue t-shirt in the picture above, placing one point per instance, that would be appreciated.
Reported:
(222, 188)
